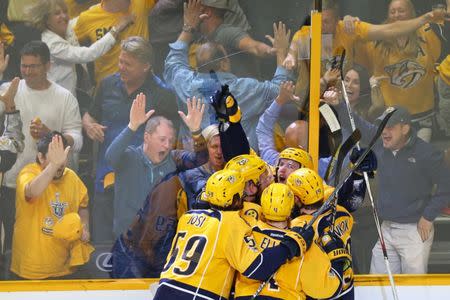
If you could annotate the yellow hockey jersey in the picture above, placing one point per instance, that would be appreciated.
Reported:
(251, 212)
(343, 226)
(411, 76)
(287, 282)
(207, 249)
(340, 39)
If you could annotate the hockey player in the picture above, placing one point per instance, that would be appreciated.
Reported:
(257, 175)
(210, 245)
(307, 187)
(277, 202)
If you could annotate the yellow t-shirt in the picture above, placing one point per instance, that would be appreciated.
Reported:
(411, 82)
(75, 9)
(36, 254)
(341, 40)
(207, 249)
(95, 22)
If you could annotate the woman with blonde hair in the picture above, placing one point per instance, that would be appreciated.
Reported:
(51, 18)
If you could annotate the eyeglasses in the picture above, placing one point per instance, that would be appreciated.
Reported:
(32, 66)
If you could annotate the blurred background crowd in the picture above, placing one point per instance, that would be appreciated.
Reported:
(72, 68)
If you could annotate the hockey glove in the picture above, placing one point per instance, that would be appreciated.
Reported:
(334, 247)
(369, 163)
(226, 106)
(298, 240)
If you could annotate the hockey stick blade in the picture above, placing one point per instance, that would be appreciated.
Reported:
(385, 118)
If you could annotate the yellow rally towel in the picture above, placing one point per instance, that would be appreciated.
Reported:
(80, 253)
(444, 70)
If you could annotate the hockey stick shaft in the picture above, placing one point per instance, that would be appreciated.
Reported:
(372, 202)
(386, 115)
(343, 150)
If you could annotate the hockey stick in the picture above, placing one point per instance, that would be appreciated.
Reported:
(348, 145)
(386, 115)
(341, 153)
(369, 190)
(326, 206)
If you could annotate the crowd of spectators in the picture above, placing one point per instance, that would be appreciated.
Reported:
(119, 136)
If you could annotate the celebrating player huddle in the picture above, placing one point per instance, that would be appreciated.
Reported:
(252, 237)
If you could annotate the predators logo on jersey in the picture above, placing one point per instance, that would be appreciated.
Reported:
(406, 73)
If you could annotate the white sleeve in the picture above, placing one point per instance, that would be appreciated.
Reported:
(63, 50)
(72, 122)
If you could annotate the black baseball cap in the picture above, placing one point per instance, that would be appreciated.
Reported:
(401, 115)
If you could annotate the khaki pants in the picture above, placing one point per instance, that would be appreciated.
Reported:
(406, 252)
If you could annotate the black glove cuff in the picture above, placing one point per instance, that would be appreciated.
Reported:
(291, 245)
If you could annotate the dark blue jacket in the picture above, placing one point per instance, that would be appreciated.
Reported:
(406, 181)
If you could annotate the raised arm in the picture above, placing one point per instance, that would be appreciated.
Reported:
(184, 159)
(4, 60)
(138, 116)
(65, 51)
(177, 68)
(12, 140)
(56, 157)
(264, 129)
(399, 28)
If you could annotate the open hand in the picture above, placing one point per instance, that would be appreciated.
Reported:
(4, 59)
(138, 116)
(280, 39)
(8, 97)
(193, 13)
(194, 117)
(56, 154)
(286, 93)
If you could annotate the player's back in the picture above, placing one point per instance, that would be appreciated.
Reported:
(266, 236)
(207, 249)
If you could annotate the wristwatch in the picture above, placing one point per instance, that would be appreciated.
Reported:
(188, 28)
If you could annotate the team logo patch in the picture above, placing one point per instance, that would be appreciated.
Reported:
(297, 182)
(252, 213)
(58, 208)
(231, 179)
(48, 225)
(405, 74)
(318, 192)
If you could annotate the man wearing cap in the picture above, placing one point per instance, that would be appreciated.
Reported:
(408, 203)
(47, 191)
(194, 180)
